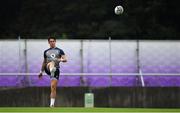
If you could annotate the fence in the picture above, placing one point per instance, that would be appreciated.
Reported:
(98, 63)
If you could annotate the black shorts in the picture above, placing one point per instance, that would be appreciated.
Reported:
(56, 75)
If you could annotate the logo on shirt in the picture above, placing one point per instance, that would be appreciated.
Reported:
(52, 55)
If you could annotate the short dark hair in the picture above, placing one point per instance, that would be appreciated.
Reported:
(51, 37)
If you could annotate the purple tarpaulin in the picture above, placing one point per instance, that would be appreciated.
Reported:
(91, 80)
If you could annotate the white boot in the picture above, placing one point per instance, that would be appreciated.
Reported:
(52, 102)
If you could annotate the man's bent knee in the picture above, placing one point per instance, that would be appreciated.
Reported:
(53, 85)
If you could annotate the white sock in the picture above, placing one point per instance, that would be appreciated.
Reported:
(52, 101)
(52, 70)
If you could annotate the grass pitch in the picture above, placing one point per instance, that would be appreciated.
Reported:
(79, 110)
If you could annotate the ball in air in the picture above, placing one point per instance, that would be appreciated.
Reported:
(118, 10)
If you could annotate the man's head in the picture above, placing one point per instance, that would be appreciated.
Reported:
(52, 42)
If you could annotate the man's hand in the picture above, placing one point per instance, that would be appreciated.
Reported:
(63, 58)
(59, 59)
(40, 75)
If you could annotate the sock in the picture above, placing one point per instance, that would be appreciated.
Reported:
(52, 101)
(52, 70)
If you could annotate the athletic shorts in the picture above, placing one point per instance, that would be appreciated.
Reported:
(56, 75)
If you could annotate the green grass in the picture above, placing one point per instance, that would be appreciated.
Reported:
(78, 109)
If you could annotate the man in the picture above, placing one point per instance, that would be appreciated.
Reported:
(52, 57)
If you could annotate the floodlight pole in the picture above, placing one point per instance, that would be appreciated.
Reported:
(110, 61)
(138, 65)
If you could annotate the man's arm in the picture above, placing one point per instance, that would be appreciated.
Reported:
(42, 68)
(63, 58)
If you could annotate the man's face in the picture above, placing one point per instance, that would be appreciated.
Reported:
(52, 43)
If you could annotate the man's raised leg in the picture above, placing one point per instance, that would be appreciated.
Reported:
(52, 68)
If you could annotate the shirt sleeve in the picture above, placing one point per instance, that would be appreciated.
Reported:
(44, 54)
(62, 52)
